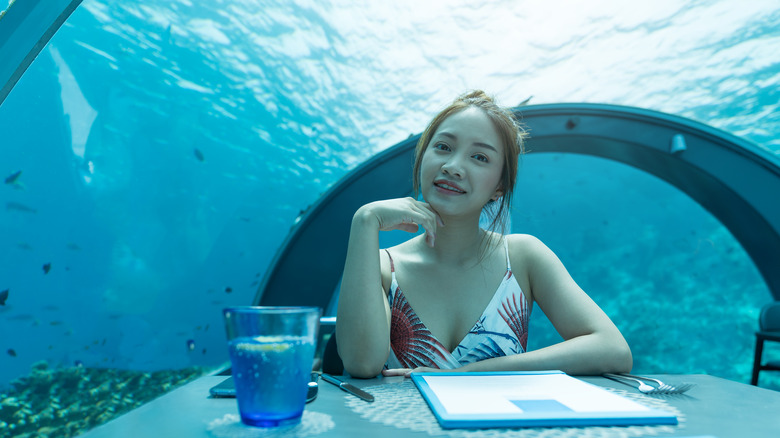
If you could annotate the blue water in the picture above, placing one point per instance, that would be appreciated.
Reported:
(167, 147)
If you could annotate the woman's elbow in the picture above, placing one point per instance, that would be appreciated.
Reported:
(622, 359)
(362, 370)
(360, 363)
(613, 356)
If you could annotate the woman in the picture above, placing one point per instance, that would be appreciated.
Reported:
(458, 297)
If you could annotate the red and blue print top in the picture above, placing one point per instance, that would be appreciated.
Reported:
(501, 330)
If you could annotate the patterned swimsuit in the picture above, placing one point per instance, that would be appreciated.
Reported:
(502, 329)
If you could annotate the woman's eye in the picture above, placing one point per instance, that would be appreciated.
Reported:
(480, 157)
(441, 147)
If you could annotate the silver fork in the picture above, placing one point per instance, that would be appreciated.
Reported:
(648, 389)
(666, 389)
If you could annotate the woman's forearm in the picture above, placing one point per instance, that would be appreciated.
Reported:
(591, 354)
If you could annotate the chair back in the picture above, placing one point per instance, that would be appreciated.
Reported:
(770, 317)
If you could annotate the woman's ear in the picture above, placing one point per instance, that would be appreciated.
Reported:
(499, 193)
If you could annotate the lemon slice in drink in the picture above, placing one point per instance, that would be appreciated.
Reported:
(265, 344)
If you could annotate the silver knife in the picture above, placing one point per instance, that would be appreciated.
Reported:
(348, 387)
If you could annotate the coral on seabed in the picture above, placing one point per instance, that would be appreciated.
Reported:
(69, 401)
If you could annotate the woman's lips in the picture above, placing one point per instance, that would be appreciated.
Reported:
(448, 186)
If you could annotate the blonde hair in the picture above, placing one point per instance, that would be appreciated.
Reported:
(512, 137)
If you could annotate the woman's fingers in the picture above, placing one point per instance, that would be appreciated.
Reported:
(410, 228)
(431, 221)
(431, 228)
(407, 214)
(396, 372)
(406, 372)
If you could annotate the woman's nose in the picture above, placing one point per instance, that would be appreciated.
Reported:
(453, 167)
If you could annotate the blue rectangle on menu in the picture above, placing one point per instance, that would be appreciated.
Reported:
(546, 405)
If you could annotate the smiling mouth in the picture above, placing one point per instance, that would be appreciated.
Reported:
(445, 186)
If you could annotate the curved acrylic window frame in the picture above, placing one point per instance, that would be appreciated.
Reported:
(673, 278)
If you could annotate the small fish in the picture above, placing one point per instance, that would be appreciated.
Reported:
(12, 352)
(78, 363)
(13, 177)
(204, 351)
(228, 290)
(19, 207)
(55, 323)
(3, 297)
(525, 102)
(46, 268)
(190, 344)
(73, 247)
(198, 154)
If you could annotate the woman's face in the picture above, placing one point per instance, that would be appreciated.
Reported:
(461, 168)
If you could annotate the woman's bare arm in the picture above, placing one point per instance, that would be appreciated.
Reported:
(592, 343)
(363, 322)
(363, 315)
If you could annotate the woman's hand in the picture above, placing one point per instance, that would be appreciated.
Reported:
(406, 372)
(406, 214)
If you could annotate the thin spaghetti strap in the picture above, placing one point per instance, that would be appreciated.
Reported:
(392, 265)
(506, 247)
(392, 272)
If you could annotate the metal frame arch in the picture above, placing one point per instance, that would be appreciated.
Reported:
(733, 179)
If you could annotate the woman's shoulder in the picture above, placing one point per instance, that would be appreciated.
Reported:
(528, 250)
(523, 252)
(523, 244)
